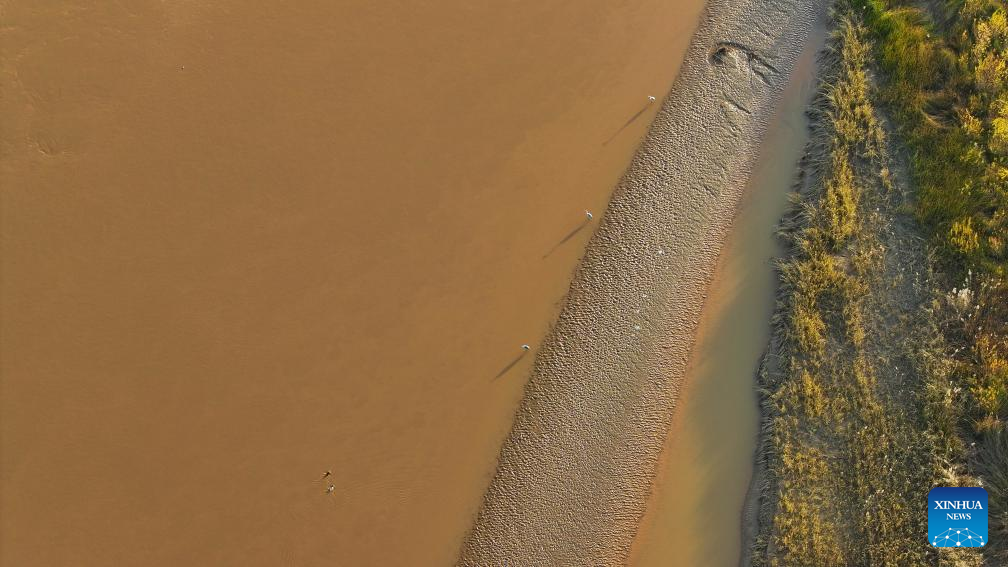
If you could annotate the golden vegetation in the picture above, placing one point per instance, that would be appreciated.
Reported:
(889, 370)
(842, 474)
(945, 77)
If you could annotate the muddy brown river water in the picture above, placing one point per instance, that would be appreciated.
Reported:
(244, 244)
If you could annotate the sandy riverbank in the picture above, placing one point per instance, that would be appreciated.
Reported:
(575, 471)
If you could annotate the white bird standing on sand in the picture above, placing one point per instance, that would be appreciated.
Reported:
(651, 99)
(588, 214)
(331, 488)
(525, 347)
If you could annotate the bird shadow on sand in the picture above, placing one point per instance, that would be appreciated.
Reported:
(511, 365)
(628, 122)
(570, 235)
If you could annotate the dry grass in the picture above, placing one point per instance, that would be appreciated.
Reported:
(945, 70)
(850, 447)
(884, 343)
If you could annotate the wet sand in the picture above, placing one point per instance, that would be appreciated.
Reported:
(576, 470)
(244, 244)
(694, 512)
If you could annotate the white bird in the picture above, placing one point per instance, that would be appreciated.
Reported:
(588, 214)
(651, 99)
(525, 347)
(331, 488)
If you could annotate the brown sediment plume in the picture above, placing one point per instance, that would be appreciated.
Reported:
(574, 473)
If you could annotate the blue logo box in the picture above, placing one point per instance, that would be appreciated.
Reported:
(957, 517)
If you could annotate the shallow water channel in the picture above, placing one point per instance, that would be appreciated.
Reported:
(695, 512)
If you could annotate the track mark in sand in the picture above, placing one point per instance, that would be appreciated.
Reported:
(711, 190)
(735, 129)
(738, 106)
(758, 64)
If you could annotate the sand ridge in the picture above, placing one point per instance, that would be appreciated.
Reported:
(574, 473)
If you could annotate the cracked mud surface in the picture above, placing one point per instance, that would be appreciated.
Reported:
(574, 473)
